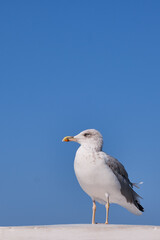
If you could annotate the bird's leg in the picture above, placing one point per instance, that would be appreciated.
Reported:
(107, 210)
(93, 212)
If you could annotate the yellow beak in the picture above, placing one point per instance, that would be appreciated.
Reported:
(68, 139)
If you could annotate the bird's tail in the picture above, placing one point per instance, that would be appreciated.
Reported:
(136, 198)
(138, 205)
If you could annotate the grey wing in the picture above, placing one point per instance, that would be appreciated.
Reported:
(118, 169)
(126, 186)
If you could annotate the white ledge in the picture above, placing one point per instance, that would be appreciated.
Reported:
(81, 232)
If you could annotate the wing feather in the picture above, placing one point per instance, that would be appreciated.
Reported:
(126, 185)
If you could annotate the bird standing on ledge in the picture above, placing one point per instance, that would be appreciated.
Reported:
(101, 176)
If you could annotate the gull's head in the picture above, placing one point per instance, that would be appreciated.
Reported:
(90, 138)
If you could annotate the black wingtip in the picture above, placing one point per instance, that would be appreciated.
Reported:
(139, 206)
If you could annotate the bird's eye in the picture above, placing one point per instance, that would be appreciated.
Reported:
(87, 134)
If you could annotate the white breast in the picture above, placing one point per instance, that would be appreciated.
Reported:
(95, 177)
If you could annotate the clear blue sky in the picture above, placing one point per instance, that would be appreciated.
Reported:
(67, 66)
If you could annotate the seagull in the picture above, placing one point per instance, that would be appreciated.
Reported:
(101, 176)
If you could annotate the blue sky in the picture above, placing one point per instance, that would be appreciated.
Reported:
(67, 66)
